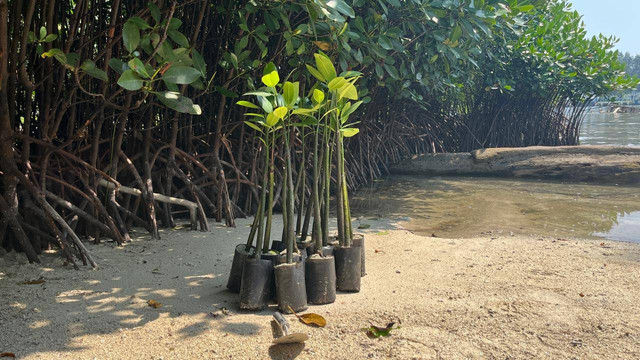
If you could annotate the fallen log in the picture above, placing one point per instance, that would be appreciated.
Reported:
(193, 207)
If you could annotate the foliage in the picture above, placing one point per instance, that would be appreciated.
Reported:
(554, 52)
(87, 86)
(155, 55)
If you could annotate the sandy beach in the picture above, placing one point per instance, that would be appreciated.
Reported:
(491, 297)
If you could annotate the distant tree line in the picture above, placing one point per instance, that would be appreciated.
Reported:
(632, 63)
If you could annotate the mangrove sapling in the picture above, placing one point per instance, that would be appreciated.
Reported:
(313, 208)
(290, 277)
(257, 228)
(256, 287)
(278, 109)
(341, 89)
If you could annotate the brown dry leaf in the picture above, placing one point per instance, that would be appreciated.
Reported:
(33, 282)
(379, 251)
(313, 319)
(310, 319)
(8, 354)
(154, 304)
(324, 46)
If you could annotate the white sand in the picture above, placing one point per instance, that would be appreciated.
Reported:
(482, 298)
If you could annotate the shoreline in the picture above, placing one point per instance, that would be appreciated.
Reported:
(480, 297)
(584, 163)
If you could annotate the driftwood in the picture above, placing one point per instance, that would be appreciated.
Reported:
(605, 164)
(193, 207)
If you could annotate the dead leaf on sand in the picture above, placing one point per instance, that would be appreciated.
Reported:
(154, 304)
(379, 251)
(310, 319)
(8, 354)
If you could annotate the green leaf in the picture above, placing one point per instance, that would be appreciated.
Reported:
(253, 126)
(271, 120)
(456, 33)
(50, 38)
(136, 65)
(342, 7)
(178, 38)
(174, 24)
(270, 77)
(181, 74)
(155, 12)
(97, 73)
(232, 58)
(379, 71)
(392, 71)
(349, 91)
(526, 8)
(303, 111)
(385, 42)
(198, 63)
(336, 83)
(130, 36)
(258, 93)
(56, 53)
(130, 80)
(87, 65)
(290, 92)
(280, 112)
(265, 104)
(118, 65)
(139, 22)
(349, 132)
(247, 104)
(318, 96)
(348, 111)
(73, 59)
(179, 103)
(315, 73)
(43, 32)
(377, 331)
(324, 65)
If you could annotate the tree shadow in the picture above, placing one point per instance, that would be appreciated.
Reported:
(186, 273)
(285, 351)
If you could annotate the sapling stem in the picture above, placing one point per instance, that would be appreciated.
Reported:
(317, 231)
(290, 229)
(326, 184)
(267, 231)
(340, 194)
(302, 175)
(263, 196)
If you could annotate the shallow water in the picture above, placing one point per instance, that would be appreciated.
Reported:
(611, 129)
(474, 206)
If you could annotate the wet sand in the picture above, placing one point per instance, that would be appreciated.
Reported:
(487, 297)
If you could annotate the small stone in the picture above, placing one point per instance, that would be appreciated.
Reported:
(397, 271)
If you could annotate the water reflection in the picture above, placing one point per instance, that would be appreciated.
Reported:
(611, 129)
(472, 206)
